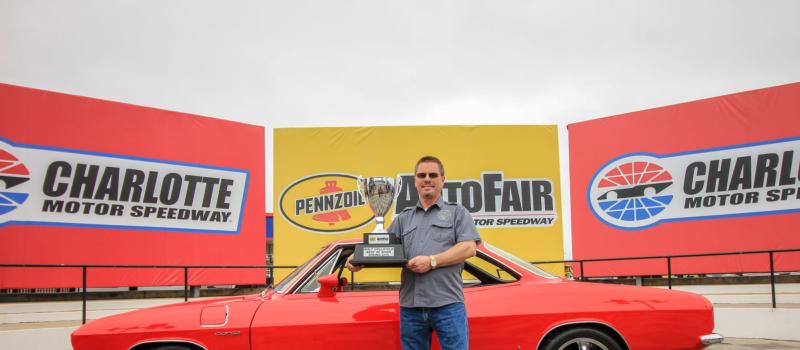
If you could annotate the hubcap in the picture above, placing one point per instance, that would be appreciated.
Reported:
(583, 344)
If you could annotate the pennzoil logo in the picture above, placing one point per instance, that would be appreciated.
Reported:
(325, 203)
(12, 174)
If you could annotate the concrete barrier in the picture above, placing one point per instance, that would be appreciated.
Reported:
(37, 339)
(767, 323)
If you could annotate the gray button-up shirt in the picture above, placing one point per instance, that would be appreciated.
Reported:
(429, 232)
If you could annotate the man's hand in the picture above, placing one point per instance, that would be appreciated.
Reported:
(351, 267)
(419, 264)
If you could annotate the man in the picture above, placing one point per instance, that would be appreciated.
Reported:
(437, 236)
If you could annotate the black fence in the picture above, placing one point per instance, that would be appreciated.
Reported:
(770, 254)
(269, 269)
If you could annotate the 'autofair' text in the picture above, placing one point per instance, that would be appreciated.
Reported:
(493, 201)
(105, 190)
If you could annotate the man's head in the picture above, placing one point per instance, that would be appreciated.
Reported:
(429, 177)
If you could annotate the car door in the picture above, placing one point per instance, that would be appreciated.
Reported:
(354, 318)
(498, 307)
(346, 321)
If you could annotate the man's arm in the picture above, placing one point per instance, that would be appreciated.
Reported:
(456, 254)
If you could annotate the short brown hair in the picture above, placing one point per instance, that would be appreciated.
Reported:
(430, 159)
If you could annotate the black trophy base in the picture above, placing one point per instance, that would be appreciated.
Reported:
(379, 255)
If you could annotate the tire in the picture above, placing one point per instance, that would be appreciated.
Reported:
(172, 347)
(582, 339)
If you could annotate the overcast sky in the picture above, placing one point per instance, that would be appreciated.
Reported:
(353, 63)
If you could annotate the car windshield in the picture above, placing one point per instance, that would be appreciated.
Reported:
(522, 263)
(281, 287)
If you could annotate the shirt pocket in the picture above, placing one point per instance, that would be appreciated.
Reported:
(442, 232)
(408, 234)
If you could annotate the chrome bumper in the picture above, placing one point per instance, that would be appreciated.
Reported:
(712, 338)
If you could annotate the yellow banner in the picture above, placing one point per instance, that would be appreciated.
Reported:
(506, 176)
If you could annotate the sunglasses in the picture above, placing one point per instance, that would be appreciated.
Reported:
(430, 175)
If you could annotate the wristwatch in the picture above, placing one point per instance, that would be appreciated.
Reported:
(433, 262)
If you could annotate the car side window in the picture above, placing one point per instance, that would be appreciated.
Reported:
(480, 271)
(311, 285)
(373, 279)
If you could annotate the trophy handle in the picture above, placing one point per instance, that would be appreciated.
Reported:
(361, 188)
(398, 183)
(359, 185)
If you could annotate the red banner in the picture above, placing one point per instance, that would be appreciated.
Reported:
(715, 175)
(86, 181)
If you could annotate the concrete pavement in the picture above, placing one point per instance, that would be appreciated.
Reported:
(754, 344)
(48, 325)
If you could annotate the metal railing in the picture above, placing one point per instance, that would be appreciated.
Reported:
(669, 258)
(271, 269)
(84, 268)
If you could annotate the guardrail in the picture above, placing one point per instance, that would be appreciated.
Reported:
(271, 268)
(669, 258)
(268, 276)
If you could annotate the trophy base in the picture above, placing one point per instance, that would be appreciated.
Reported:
(379, 255)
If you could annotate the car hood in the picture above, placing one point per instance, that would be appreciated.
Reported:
(178, 316)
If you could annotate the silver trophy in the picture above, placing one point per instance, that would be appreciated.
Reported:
(379, 195)
(379, 248)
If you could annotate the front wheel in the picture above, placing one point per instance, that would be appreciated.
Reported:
(172, 347)
(582, 339)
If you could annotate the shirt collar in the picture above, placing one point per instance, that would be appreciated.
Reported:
(439, 203)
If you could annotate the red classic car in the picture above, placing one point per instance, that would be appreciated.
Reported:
(511, 304)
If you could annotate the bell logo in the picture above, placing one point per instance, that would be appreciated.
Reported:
(12, 174)
(334, 216)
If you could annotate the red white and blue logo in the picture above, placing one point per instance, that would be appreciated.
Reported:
(12, 174)
(634, 191)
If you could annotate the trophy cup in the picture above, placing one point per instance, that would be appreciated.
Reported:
(380, 249)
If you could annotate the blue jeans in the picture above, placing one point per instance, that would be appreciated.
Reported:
(449, 322)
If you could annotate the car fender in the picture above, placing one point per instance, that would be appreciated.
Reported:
(590, 322)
